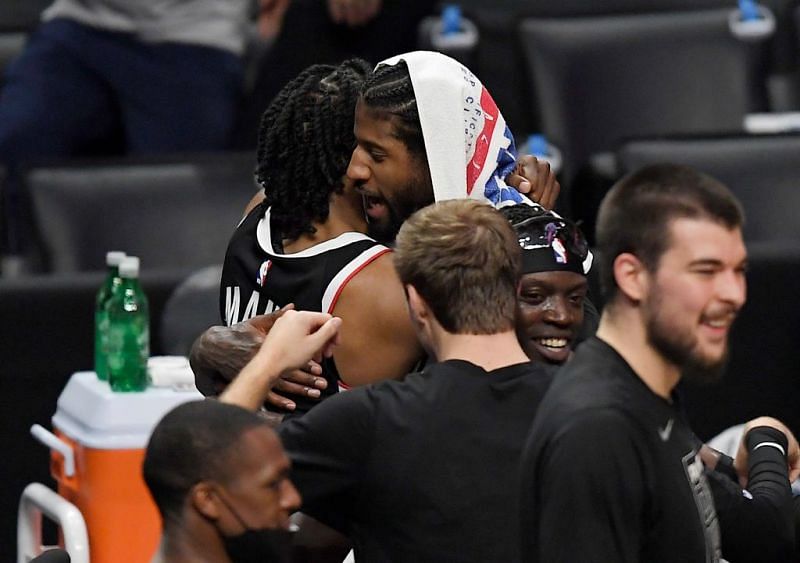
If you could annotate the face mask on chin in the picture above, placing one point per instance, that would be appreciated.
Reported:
(256, 545)
(262, 545)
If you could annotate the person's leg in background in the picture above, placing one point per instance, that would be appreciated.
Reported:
(52, 105)
(178, 97)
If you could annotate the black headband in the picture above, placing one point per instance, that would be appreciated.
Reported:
(551, 243)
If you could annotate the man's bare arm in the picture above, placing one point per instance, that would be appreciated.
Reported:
(378, 341)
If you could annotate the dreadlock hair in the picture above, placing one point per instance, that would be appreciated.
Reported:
(193, 442)
(305, 141)
(389, 89)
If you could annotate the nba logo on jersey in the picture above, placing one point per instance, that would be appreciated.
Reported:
(559, 251)
(263, 271)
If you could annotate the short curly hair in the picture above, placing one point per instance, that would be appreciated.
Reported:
(193, 442)
(305, 142)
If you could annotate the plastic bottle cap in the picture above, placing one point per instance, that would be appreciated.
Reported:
(451, 19)
(537, 144)
(129, 267)
(114, 257)
(749, 10)
(751, 22)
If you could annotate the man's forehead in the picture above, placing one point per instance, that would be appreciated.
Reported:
(705, 239)
(377, 124)
(555, 279)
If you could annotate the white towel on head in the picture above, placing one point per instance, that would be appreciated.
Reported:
(469, 146)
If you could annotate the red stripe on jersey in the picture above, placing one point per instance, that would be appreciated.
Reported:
(351, 276)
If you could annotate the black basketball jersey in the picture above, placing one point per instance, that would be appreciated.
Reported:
(257, 278)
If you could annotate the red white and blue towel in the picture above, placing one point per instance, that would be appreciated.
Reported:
(457, 111)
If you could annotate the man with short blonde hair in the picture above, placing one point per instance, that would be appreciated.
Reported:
(462, 265)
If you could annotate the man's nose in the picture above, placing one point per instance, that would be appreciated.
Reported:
(357, 170)
(290, 497)
(557, 312)
(732, 288)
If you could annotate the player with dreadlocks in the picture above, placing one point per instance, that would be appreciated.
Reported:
(304, 242)
(303, 239)
(304, 145)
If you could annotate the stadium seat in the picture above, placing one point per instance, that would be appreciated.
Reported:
(21, 15)
(599, 80)
(499, 61)
(17, 19)
(763, 172)
(176, 213)
(192, 308)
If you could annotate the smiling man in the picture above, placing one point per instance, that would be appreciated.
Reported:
(551, 300)
(612, 471)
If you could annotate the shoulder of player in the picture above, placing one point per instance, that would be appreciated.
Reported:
(604, 435)
(375, 285)
(378, 270)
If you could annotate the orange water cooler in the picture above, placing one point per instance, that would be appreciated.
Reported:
(96, 458)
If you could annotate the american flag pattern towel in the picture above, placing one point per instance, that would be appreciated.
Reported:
(470, 148)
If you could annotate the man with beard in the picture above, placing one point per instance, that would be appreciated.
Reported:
(219, 478)
(303, 241)
(611, 470)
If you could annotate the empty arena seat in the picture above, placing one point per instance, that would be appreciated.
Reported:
(21, 15)
(171, 213)
(190, 310)
(599, 80)
(17, 19)
(763, 172)
(499, 61)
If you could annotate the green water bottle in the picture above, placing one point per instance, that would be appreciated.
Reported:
(128, 331)
(111, 281)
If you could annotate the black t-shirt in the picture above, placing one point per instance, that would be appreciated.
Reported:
(424, 469)
(611, 473)
(258, 279)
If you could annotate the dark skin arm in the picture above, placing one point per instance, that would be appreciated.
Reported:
(377, 340)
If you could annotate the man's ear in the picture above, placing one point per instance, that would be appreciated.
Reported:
(632, 277)
(204, 499)
(420, 312)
